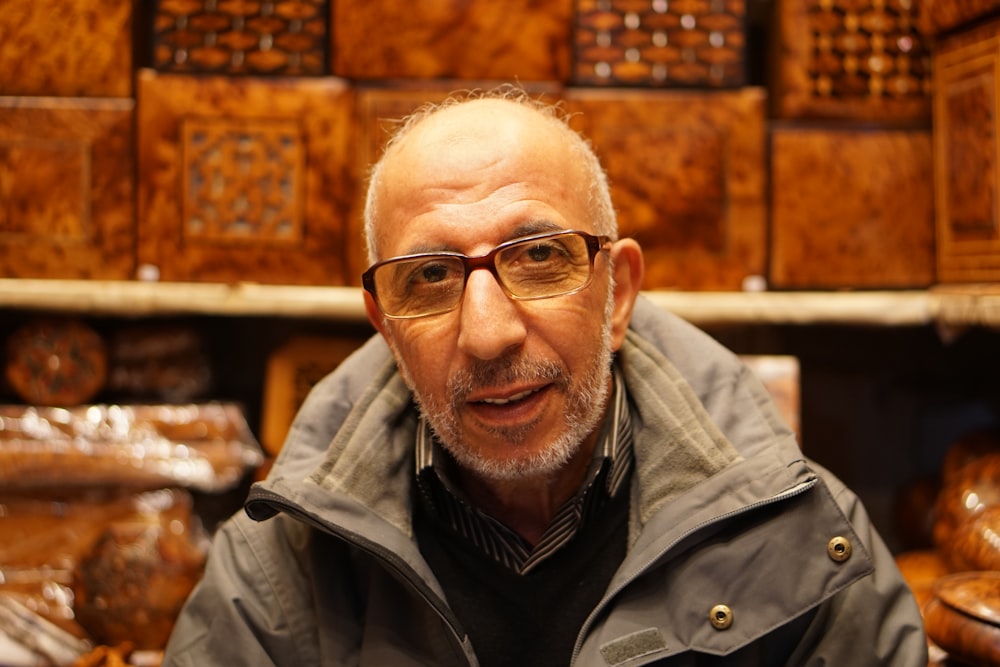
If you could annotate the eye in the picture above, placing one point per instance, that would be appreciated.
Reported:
(431, 273)
(539, 253)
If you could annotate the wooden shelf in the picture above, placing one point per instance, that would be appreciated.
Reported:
(951, 306)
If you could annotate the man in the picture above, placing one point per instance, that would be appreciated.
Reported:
(532, 465)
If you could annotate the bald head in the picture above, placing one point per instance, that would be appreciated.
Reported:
(464, 141)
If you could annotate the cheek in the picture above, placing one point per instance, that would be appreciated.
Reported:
(422, 350)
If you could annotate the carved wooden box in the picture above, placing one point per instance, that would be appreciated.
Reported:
(854, 59)
(66, 188)
(851, 208)
(244, 179)
(277, 37)
(66, 48)
(524, 40)
(966, 174)
(659, 43)
(688, 174)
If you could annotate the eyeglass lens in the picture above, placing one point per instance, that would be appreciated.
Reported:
(531, 269)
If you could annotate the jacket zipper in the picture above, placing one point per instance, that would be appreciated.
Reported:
(386, 556)
(785, 495)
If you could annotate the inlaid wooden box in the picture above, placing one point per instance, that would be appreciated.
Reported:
(70, 48)
(851, 208)
(966, 173)
(848, 59)
(699, 43)
(244, 179)
(523, 40)
(66, 188)
(688, 174)
(278, 37)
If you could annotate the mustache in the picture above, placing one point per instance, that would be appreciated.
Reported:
(499, 372)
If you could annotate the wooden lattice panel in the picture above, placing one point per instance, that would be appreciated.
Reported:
(851, 208)
(687, 172)
(857, 59)
(284, 37)
(66, 48)
(659, 43)
(66, 188)
(523, 40)
(966, 174)
(244, 179)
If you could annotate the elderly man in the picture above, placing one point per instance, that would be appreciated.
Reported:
(531, 465)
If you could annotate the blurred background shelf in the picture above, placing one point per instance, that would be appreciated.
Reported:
(952, 306)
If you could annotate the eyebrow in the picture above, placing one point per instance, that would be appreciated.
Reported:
(528, 228)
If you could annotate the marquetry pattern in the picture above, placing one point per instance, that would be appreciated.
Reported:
(282, 37)
(867, 48)
(242, 180)
(660, 42)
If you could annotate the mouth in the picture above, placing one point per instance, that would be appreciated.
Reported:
(508, 400)
(519, 407)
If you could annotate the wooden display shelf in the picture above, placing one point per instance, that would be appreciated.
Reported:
(957, 305)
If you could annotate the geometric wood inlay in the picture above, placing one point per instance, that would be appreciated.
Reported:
(242, 179)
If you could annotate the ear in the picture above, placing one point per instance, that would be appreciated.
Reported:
(374, 314)
(629, 268)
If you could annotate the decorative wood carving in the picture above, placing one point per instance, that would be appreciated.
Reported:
(524, 40)
(66, 48)
(660, 43)
(687, 174)
(284, 37)
(966, 86)
(851, 208)
(856, 59)
(66, 188)
(244, 179)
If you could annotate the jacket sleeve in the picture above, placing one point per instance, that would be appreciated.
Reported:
(875, 621)
(238, 615)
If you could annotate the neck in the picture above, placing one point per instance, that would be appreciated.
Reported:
(527, 505)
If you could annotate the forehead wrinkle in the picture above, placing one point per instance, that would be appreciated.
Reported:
(524, 229)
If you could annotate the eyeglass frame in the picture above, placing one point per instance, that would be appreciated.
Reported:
(596, 243)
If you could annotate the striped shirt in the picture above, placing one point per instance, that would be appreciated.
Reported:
(609, 469)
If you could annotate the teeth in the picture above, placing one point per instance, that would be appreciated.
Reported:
(505, 401)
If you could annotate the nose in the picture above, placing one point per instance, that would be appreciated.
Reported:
(490, 323)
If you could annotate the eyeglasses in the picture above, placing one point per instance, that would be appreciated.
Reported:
(535, 267)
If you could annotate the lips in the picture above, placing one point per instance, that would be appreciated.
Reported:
(519, 407)
(510, 399)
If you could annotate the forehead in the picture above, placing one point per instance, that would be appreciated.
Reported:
(477, 173)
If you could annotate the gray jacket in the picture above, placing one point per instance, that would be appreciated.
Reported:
(741, 551)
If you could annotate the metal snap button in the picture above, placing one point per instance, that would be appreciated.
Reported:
(721, 616)
(839, 549)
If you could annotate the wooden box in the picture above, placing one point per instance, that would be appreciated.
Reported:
(966, 173)
(66, 48)
(244, 179)
(66, 188)
(851, 59)
(851, 208)
(280, 37)
(679, 43)
(935, 17)
(688, 175)
(523, 40)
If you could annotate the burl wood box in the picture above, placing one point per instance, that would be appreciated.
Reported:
(66, 188)
(524, 40)
(279, 37)
(935, 17)
(244, 179)
(848, 59)
(697, 43)
(966, 175)
(688, 172)
(851, 208)
(66, 48)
